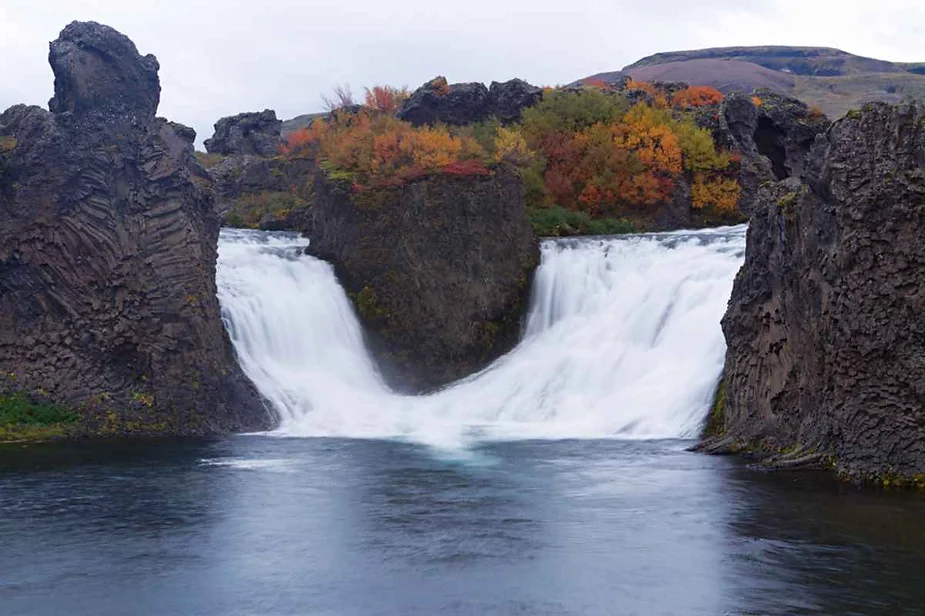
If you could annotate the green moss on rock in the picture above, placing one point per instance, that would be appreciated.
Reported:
(26, 417)
(716, 420)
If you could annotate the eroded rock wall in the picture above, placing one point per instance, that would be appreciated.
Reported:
(108, 251)
(826, 324)
(439, 270)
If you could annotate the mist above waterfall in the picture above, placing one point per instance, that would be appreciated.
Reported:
(622, 340)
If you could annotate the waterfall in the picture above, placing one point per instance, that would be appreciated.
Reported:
(621, 340)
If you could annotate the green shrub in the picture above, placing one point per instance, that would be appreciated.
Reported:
(560, 222)
(249, 209)
(572, 111)
(20, 409)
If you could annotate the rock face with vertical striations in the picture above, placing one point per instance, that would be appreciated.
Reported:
(826, 324)
(108, 251)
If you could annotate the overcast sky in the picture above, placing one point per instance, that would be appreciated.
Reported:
(221, 58)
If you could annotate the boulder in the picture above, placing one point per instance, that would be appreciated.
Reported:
(465, 103)
(457, 104)
(256, 133)
(509, 99)
(108, 246)
(826, 325)
(439, 269)
(97, 69)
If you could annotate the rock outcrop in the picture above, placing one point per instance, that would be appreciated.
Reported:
(97, 71)
(825, 327)
(107, 253)
(508, 99)
(269, 193)
(772, 133)
(439, 269)
(466, 103)
(254, 133)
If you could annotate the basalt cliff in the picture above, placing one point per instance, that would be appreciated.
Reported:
(439, 270)
(825, 327)
(107, 254)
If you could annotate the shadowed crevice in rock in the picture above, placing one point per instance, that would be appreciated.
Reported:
(767, 140)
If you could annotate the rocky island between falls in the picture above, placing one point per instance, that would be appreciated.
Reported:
(428, 205)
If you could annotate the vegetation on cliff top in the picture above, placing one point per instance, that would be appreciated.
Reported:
(594, 159)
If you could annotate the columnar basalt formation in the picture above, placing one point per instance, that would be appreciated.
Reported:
(108, 250)
(825, 327)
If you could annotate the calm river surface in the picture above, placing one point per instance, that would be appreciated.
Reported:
(256, 525)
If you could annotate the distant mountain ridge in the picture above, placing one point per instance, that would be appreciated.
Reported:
(812, 61)
(834, 80)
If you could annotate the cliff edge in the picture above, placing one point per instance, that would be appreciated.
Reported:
(107, 254)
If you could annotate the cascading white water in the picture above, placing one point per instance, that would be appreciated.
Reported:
(622, 341)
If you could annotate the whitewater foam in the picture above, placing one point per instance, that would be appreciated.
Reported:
(622, 340)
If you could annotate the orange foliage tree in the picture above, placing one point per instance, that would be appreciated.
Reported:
(386, 99)
(658, 95)
(716, 191)
(587, 150)
(696, 96)
(594, 83)
(381, 150)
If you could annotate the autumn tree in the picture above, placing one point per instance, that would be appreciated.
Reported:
(696, 96)
(386, 99)
(341, 97)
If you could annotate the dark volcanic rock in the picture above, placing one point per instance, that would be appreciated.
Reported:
(465, 103)
(255, 133)
(246, 186)
(457, 104)
(510, 98)
(826, 325)
(98, 69)
(785, 132)
(107, 253)
(773, 138)
(439, 270)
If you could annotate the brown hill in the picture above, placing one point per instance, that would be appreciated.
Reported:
(724, 75)
(818, 61)
(834, 80)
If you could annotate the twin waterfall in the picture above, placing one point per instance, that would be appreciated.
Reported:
(622, 340)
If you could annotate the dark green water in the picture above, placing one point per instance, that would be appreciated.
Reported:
(256, 525)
